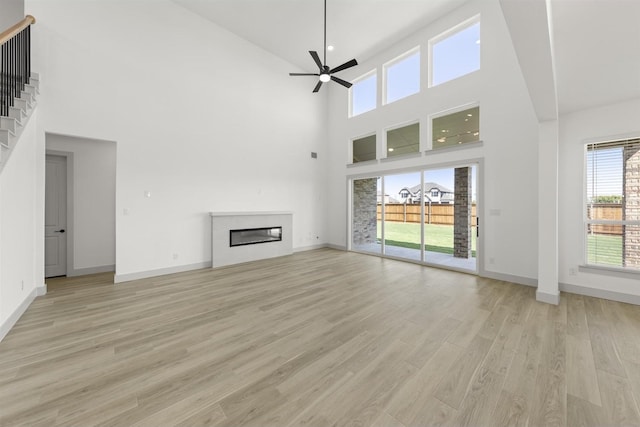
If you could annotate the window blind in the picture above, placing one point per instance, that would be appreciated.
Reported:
(612, 219)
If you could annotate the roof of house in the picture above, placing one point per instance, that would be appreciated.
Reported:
(428, 186)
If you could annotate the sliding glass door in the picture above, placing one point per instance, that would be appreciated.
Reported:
(449, 220)
(426, 215)
(402, 213)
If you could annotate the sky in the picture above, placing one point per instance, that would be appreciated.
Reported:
(606, 166)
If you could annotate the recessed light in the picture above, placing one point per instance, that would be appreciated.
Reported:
(444, 131)
(466, 120)
(330, 48)
(442, 139)
(469, 115)
(390, 149)
(476, 133)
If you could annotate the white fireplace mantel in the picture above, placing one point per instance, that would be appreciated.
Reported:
(223, 222)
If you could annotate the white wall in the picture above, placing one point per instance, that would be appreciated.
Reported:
(11, 12)
(508, 128)
(598, 124)
(21, 226)
(93, 227)
(204, 120)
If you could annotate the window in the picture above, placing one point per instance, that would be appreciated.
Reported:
(404, 140)
(364, 149)
(363, 94)
(434, 193)
(402, 76)
(456, 128)
(613, 204)
(455, 53)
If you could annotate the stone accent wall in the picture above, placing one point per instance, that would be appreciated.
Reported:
(462, 213)
(365, 202)
(631, 206)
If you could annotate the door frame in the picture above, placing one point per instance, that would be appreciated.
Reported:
(478, 162)
(70, 205)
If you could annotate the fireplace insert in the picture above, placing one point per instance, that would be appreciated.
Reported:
(253, 236)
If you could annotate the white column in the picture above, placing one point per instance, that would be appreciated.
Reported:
(548, 290)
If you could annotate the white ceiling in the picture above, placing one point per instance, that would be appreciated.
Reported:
(290, 28)
(596, 43)
(596, 52)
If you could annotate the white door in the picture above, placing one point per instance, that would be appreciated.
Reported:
(55, 218)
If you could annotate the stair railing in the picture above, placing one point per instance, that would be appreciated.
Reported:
(15, 62)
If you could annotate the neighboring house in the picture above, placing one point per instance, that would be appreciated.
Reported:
(387, 198)
(433, 193)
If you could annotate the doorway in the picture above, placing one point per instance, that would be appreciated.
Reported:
(90, 205)
(55, 228)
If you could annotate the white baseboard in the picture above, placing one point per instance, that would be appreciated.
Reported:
(92, 270)
(548, 298)
(600, 293)
(41, 290)
(17, 313)
(509, 278)
(119, 278)
(309, 248)
(336, 247)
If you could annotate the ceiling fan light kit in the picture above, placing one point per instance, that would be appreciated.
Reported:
(325, 73)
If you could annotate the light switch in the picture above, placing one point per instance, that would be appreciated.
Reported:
(147, 194)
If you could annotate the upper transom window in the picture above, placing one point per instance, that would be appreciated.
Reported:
(402, 76)
(456, 52)
(363, 94)
(403, 140)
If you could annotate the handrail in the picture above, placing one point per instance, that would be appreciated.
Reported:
(9, 33)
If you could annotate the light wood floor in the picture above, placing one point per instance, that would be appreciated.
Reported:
(319, 338)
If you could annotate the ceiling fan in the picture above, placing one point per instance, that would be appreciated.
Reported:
(325, 73)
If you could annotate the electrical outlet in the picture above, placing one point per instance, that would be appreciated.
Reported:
(175, 256)
(572, 272)
(22, 285)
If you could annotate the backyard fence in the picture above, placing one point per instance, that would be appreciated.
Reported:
(443, 214)
(433, 214)
(605, 211)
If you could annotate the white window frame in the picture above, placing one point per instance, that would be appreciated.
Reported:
(393, 62)
(350, 153)
(446, 34)
(453, 110)
(630, 272)
(386, 131)
(365, 76)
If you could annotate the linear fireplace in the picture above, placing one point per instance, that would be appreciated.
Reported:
(234, 236)
(253, 236)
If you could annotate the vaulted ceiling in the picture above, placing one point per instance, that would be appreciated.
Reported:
(592, 53)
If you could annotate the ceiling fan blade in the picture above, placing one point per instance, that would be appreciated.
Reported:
(340, 81)
(344, 66)
(303, 74)
(317, 88)
(316, 58)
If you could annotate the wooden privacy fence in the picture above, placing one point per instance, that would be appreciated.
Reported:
(433, 214)
(605, 211)
(443, 214)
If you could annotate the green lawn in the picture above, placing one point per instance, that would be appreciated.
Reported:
(604, 249)
(438, 238)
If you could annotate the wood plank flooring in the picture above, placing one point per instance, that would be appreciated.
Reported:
(320, 338)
